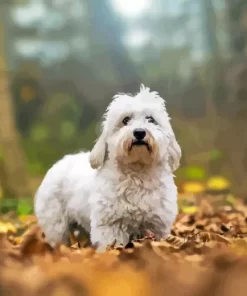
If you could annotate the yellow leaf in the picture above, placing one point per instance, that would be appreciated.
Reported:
(218, 183)
(193, 187)
(189, 210)
(28, 219)
(6, 227)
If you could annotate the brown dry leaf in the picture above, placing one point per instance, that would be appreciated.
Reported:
(191, 261)
(16, 240)
(205, 209)
(207, 236)
(33, 243)
(176, 241)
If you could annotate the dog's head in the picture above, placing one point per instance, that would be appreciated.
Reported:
(137, 130)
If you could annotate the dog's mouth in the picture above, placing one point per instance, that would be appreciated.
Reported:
(140, 143)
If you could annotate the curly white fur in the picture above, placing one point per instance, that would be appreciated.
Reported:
(119, 188)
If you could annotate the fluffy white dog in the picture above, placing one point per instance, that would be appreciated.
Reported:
(124, 186)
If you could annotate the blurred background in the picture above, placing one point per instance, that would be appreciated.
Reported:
(61, 61)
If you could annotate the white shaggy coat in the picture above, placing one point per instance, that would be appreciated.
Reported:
(119, 188)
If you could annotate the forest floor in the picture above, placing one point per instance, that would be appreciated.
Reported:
(206, 254)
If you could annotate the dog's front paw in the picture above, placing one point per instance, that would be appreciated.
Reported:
(105, 237)
(101, 249)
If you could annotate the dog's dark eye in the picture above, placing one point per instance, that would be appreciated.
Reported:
(150, 119)
(126, 120)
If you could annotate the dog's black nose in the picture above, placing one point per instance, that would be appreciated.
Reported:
(139, 133)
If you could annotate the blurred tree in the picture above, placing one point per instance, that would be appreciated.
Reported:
(107, 30)
(237, 77)
(237, 17)
(28, 97)
(213, 66)
(13, 173)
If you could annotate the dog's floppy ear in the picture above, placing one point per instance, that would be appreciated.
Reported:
(98, 153)
(174, 152)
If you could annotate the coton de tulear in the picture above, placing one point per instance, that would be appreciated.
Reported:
(124, 186)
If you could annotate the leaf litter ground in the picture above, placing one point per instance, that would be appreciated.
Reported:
(206, 254)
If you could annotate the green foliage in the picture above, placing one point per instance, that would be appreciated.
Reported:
(216, 154)
(45, 146)
(7, 205)
(59, 107)
(39, 133)
(36, 168)
(56, 133)
(22, 206)
(194, 173)
(67, 130)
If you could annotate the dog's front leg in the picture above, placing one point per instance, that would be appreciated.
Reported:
(161, 226)
(103, 236)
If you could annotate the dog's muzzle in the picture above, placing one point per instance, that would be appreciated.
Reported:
(140, 143)
(139, 136)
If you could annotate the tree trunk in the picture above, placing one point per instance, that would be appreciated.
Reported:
(13, 173)
(107, 31)
(236, 11)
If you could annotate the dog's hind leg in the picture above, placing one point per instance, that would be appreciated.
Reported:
(52, 219)
(56, 232)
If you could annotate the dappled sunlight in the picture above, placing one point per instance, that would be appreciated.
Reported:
(130, 8)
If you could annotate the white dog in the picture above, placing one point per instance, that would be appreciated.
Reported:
(124, 186)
